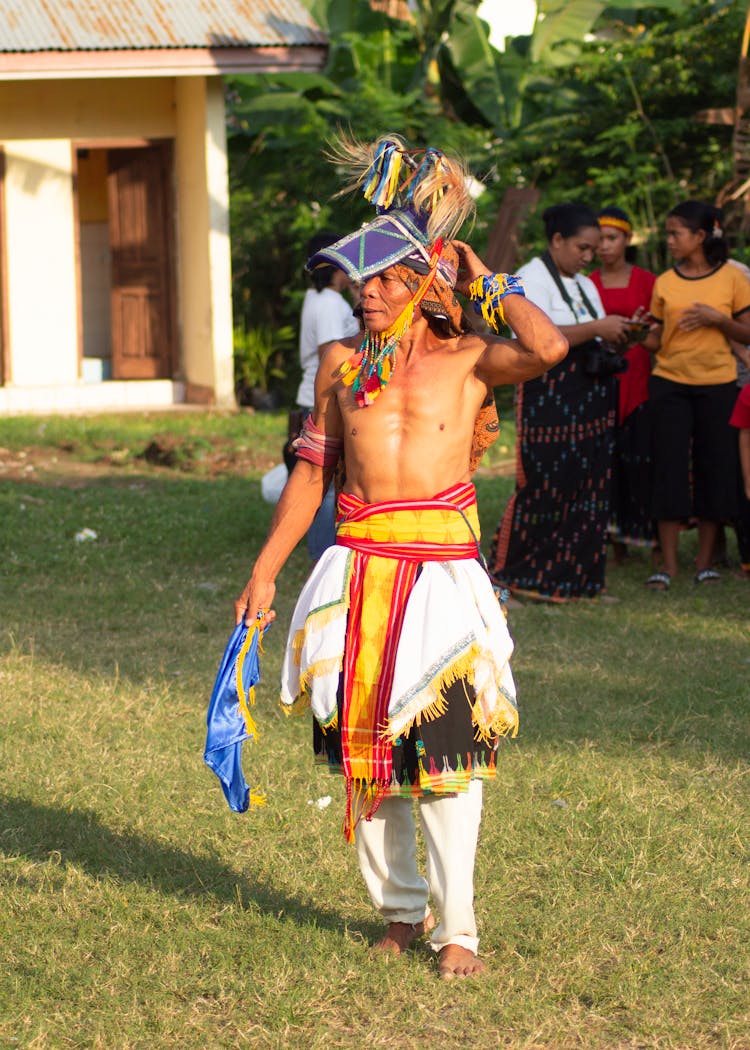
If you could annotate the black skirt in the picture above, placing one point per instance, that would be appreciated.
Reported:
(436, 757)
(552, 539)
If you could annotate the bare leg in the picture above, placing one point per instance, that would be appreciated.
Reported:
(669, 532)
(719, 553)
(707, 533)
(619, 552)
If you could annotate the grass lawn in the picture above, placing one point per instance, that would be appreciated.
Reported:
(137, 911)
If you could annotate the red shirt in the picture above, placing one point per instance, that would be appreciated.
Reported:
(740, 416)
(633, 384)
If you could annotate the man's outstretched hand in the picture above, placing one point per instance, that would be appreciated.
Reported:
(254, 604)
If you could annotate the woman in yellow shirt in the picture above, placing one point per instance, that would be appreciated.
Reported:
(699, 306)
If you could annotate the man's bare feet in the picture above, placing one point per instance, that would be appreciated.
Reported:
(455, 961)
(401, 935)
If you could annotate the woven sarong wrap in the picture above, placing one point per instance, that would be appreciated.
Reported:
(402, 609)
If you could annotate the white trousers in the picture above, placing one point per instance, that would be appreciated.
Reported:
(386, 847)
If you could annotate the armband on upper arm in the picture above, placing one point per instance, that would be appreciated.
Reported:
(487, 294)
(316, 446)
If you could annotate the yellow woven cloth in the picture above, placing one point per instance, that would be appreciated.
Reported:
(391, 539)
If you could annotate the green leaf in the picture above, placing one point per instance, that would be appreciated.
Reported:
(473, 59)
(561, 21)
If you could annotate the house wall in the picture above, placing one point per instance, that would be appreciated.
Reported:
(41, 279)
(87, 109)
(40, 124)
(203, 240)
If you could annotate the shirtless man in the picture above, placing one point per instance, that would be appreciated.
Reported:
(398, 625)
(415, 441)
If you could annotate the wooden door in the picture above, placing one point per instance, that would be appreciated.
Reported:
(140, 230)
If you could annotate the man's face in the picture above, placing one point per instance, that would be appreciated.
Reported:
(383, 298)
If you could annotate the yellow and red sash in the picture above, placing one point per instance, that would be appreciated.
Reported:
(390, 540)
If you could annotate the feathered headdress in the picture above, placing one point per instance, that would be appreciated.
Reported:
(425, 181)
(421, 199)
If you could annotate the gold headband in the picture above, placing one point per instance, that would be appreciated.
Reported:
(612, 220)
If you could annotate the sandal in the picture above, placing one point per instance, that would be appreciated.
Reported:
(659, 581)
(706, 576)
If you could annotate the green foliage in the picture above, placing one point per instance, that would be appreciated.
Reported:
(380, 76)
(599, 104)
(617, 123)
(259, 358)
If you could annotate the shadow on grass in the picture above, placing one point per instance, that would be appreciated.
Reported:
(77, 837)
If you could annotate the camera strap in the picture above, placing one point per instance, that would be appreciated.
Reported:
(555, 275)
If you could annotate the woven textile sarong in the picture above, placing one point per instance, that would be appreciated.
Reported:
(394, 620)
(552, 539)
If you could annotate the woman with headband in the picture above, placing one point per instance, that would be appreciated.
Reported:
(625, 289)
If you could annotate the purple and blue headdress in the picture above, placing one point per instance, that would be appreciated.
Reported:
(422, 200)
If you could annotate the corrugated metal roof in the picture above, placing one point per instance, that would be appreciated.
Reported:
(106, 25)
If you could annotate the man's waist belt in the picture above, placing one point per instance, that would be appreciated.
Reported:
(443, 528)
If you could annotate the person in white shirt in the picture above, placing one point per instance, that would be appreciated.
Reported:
(552, 540)
(326, 317)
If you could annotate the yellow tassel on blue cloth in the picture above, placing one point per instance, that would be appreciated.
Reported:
(229, 721)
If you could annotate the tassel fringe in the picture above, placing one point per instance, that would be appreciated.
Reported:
(363, 800)
(258, 798)
(391, 175)
(247, 698)
(430, 703)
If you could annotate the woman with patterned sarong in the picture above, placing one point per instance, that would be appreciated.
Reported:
(552, 540)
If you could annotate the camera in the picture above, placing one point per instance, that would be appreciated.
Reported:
(602, 360)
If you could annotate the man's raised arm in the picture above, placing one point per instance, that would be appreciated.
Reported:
(538, 345)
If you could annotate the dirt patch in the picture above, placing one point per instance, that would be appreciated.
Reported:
(209, 457)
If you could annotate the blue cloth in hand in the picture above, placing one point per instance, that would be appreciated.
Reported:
(229, 720)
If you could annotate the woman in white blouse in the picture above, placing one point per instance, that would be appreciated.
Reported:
(551, 542)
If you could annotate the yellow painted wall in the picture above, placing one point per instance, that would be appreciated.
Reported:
(204, 268)
(40, 252)
(87, 109)
(219, 244)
